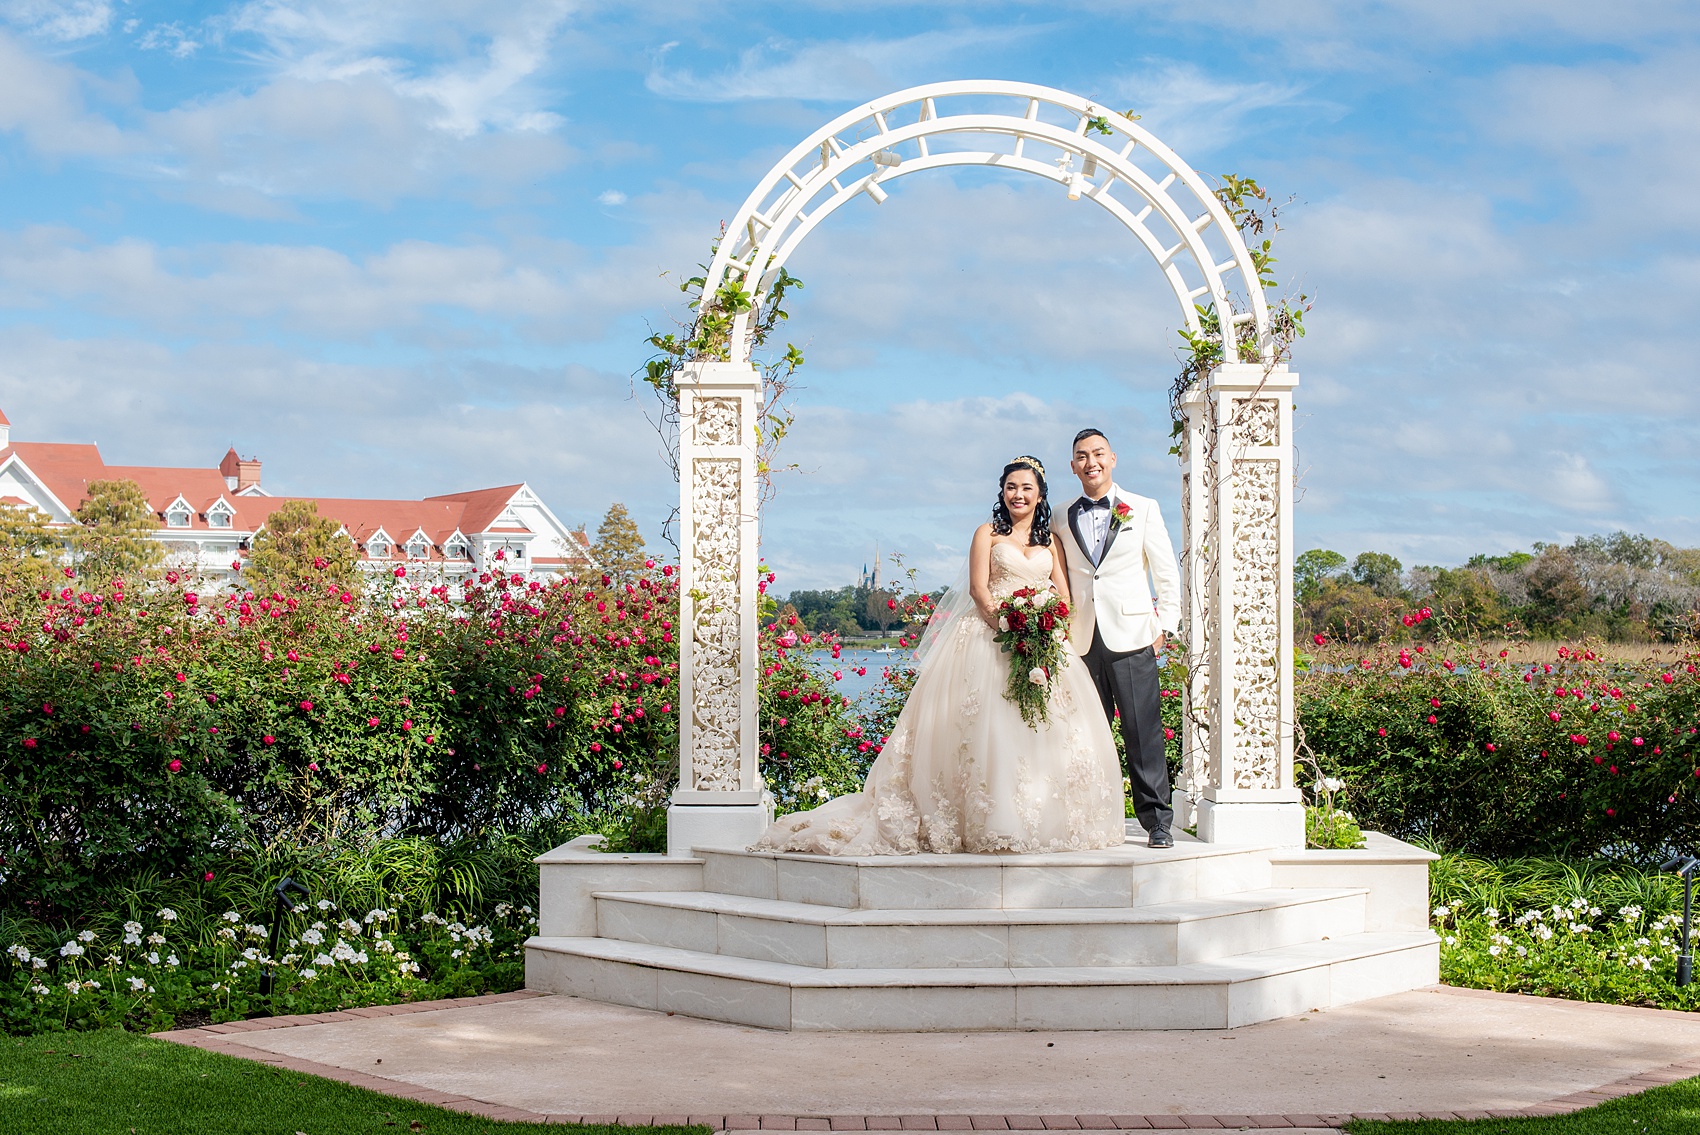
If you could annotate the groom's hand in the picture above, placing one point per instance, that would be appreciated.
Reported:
(1162, 641)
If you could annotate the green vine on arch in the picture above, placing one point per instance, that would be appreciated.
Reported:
(708, 337)
(1257, 216)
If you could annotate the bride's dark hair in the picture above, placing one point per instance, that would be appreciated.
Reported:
(1003, 525)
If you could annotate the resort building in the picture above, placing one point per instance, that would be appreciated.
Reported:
(208, 517)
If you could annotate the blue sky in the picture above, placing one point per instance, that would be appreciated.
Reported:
(409, 249)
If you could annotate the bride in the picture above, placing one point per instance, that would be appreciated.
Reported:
(962, 771)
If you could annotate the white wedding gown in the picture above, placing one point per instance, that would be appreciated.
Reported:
(963, 772)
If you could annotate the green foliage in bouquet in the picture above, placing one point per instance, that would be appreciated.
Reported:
(1033, 631)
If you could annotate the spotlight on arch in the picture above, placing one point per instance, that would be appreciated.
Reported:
(873, 190)
(1077, 184)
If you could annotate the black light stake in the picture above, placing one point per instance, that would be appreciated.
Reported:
(1685, 866)
(285, 907)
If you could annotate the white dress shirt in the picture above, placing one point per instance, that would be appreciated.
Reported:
(1095, 528)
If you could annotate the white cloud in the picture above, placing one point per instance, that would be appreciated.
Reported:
(421, 291)
(331, 138)
(611, 197)
(170, 38)
(1194, 113)
(45, 102)
(57, 20)
(340, 429)
(1623, 134)
(830, 70)
(472, 61)
(369, 102)
(918, 477)
(1369, 32)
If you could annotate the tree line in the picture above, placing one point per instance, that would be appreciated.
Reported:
(1618, 587)
(846, 611)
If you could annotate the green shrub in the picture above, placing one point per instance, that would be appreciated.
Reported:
(424, 887)
(1582, 929)
(153, 731)
(1331, 829)
(1581, 755)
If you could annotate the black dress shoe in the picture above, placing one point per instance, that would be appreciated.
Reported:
(1160, 837)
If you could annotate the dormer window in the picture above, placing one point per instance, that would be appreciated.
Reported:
(177, 516)
(457, 549)
(378, 549)
(418, 548)
(219, 515)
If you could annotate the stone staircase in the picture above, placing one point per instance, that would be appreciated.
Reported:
(1200, 936)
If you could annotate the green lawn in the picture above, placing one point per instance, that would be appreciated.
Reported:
(1672, 1108)
(114, 1083)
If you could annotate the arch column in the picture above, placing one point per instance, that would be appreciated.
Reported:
(720, 801)
(1237, 507)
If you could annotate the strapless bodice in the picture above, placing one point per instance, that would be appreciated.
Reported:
(1013, 570)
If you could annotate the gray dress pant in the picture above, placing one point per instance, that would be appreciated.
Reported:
(1127, 681)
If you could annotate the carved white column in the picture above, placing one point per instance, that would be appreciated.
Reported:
(720, 801)
(1237, 478)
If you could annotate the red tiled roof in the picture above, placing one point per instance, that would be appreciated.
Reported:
(482, 505)
(66, 470)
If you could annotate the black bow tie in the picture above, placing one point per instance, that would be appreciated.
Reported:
(1088, 502)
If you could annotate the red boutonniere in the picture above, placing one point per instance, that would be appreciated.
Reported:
(1120, 514)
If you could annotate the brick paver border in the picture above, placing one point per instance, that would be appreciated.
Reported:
(226, 1039)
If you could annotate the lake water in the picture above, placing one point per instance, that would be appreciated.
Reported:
(854, 685)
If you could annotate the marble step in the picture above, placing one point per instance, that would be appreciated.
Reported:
(809, 934)
(1129, 875)
(1220, 993)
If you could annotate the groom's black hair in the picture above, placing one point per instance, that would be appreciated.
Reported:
(1084, 434)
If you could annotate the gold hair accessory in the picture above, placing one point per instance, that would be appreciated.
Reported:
(1031, 462)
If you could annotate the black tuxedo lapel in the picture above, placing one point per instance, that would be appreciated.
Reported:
(1110, 538)
(1074, 527)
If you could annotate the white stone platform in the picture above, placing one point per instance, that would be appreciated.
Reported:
(1197, 937)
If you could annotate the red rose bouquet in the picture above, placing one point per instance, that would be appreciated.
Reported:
(1033, 631)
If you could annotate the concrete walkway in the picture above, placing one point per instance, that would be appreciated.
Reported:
(1440, 1051)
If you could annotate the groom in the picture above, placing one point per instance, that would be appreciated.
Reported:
(1112, 540)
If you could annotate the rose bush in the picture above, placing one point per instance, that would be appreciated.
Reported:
(156, 729)
(1580, 753)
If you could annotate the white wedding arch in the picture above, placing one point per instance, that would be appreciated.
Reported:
(1236, 464)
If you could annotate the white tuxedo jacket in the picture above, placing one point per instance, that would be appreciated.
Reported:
(1114, 594)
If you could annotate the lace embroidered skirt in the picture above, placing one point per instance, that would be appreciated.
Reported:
(963, 772)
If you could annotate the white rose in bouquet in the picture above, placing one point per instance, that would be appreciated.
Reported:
(1036, 675)
(1018, 602)
(1044, 599)
(1003, 623)
(1060, 635)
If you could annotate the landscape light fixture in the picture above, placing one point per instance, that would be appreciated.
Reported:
(1685, 866)
(285, 907)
